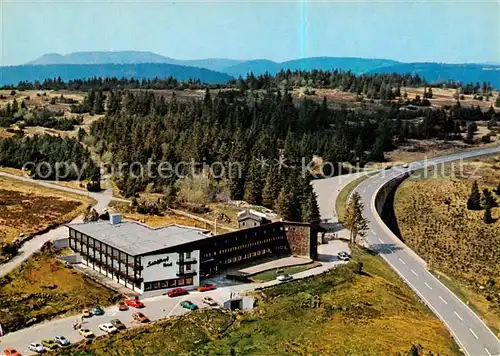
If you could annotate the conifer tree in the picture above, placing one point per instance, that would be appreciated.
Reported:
(254, 184)
(15, 106)
(474, 201)
(98, 107)
(488, 200)
(272, 187)
(313, 215)
(354, 220)
(285, 204)
(497, 101)
(487, 218)
(497, 190)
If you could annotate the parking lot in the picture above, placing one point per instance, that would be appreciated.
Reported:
(158, 307)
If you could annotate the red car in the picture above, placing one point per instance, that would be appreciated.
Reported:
(122, 306)
(205, 287)
(134, 302)
(177, 292)
(11, 352)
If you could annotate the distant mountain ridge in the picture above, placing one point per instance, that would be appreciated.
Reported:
(130, 57)
(145, 64)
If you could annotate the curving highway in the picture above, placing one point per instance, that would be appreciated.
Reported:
(472, 335)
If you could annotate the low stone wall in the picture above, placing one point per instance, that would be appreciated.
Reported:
(380, 199)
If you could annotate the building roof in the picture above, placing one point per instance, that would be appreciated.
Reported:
(256, 215)
(137, 239)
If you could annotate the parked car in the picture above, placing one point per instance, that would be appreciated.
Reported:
(36, 347)
(86, 313)
(284, 277)
(209, 301)
(405, 165)
(118, 324)
(108, 327)
(61, 341)
(188, 305)
(11, 352)
(388, 167)
(343, 256)
(86, 333)
(177, 292)
(97, 310)
(206, 287)
(122, 306)
(49, 344)
(134, 302)
(141, 318)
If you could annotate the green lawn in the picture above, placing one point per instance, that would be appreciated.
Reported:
(339, 312)
(271, 274)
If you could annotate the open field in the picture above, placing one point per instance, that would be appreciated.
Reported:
(43, 288)
(434, 221)
(26, 208)
(41, 99)
(442, 97)
(357, 314)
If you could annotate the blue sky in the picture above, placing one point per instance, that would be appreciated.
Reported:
(443, 31)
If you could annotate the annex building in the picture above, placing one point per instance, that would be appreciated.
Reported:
(146, 259)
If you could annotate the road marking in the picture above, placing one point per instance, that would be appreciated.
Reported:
(458, 316)
(403, 262)
(415, 273)
(487, 351)
(373, 232)
(428, 286)
(444, 301)
(381, 240)
(473, 333)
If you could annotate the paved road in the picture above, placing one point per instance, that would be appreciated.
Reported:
(103, 199)
(474, 337)
(328, 190)
(157, 307)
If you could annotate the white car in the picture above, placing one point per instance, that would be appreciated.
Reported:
(284, 277)
(61, 340)
(108, 327)
(209, 301)
(343, 256)
(405, 165)
(36, 347)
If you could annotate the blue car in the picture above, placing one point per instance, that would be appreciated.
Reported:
(97, 311)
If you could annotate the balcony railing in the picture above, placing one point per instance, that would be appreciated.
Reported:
(188, 261)
(186, 273)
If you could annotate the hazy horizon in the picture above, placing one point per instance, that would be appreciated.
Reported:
(401, 30)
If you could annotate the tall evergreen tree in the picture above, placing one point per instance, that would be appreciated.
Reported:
(254, 184)
(488, 199)
(285, 204)
(487, 218)
(313, 214)
(98, 107)
(354, 220)
(474, 201)
(272, 187)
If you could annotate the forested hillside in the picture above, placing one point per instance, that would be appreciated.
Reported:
(253, 122)
(48, 157)
(246, 128)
